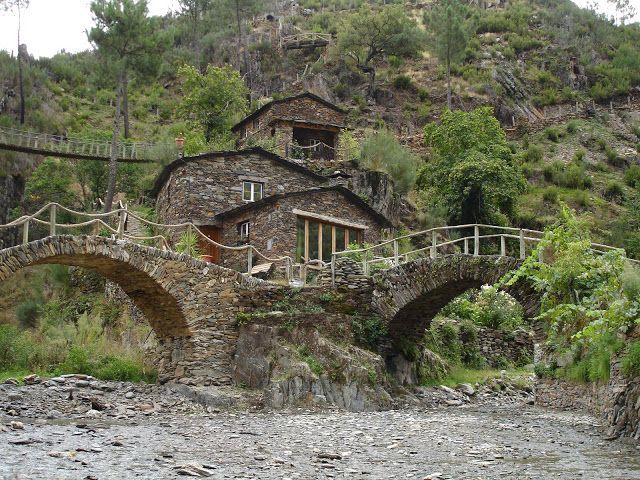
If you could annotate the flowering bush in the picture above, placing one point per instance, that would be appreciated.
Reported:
(488, 307)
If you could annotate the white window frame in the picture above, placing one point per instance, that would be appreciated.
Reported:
(245, 230)
(252, 191)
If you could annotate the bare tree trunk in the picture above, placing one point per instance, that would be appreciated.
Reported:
(125, 104)
(113, 159)
(371, 72)
(239, 28)
(448, 84)
(20, 73)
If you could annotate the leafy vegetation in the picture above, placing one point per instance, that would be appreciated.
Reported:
(382, 152)
(472, 174)
(369, 34)
(588, 299)
(487, 307)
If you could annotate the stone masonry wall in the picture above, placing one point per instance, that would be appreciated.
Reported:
(200, 189)
(496, 345)
(273, 225)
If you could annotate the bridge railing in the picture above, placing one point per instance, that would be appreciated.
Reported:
(305, 38)
(51, 144)
(102, 224)
(388, 253)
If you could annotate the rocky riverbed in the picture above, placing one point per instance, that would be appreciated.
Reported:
(67, 430)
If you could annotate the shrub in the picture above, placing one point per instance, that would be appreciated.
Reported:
(314, 364)
(544, 371)
(614, 190)
(189, 244)
(382, 152)
(631, 282)
(403, 82)
(572, 126)
(497, 310)
(550, 195)
(368, 331)
(613, 158)
(423, 94)
(553, 134)
(534, 154)
(632, 176)
(631, 361)
(16, 348)
(579, 155)
(575, 177)
(123, 370)
(28, 312)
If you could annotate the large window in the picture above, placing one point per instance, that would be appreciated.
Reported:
(251, 191)
(317, 240)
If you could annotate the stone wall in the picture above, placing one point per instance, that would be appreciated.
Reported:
(377, 189)
(199, 189)
(273, 229)
(496, 346)
(347, 277)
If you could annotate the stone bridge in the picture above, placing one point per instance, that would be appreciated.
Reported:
(410, 295)
(191, 305)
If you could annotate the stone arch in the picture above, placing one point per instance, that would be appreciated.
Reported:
(410, 295)
(140, 271)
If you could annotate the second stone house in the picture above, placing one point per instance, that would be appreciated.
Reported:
(305, 128)
(255, 196)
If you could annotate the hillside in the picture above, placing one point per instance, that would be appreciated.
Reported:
(535, 62)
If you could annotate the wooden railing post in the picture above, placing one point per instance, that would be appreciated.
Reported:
(503, 246)
(396, 253)
(249, 261)
(333, 270)
(476, 240)
(25, 233)
(466, 245)
(365, 265)
(434, 244)
(52, 220)
(523, 247)
(121, 221)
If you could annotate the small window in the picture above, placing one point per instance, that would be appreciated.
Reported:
(244, 229)
(251, 191)
(256, 124)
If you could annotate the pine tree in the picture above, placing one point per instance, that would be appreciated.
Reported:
(448, 36)
(129, 41)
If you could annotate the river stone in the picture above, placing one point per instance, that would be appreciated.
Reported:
(466, 389)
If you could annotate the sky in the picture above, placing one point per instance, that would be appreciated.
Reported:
(49, 26)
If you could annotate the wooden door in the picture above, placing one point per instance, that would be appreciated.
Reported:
(207, 248)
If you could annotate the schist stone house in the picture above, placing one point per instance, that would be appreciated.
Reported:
(304, 127)
(255, 196)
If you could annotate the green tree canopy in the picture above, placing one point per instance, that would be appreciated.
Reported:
(213, 100)
(447, 34)
(472, 173)
(369, 34)
(382, 152)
